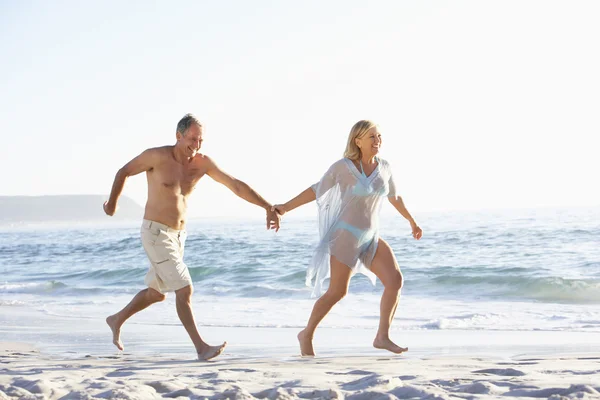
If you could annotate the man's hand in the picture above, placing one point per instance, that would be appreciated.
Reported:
(273, 219)
(109, 209)
(417, 232)
(280, 208)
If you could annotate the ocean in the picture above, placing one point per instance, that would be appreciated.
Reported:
(517, 270)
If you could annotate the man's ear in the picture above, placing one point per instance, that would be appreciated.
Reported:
(178, 136)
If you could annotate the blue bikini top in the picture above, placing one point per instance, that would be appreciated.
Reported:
(363, 186)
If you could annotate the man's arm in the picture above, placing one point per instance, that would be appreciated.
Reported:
(141, 163)
(242, 190)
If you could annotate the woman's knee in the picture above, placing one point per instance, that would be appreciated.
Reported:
(395, 281)
(336, 294)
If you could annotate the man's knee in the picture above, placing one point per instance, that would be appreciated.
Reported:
(155, 296)
(185, 293)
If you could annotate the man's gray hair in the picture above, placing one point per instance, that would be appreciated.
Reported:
(184, 124)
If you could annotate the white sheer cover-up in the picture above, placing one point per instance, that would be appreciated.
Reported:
(349, 204)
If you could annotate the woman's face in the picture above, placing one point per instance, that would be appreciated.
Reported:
(370, 143)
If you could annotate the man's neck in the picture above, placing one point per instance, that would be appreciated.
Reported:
(180, 157)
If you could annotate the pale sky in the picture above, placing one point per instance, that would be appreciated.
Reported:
(481, 104)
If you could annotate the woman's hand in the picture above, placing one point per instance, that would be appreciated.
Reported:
(280, 208)
(417, 232)
(273, 220)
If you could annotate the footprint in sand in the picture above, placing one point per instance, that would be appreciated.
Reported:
(291, 384)
(210, 375)
(518, 363)
(407, 377)
(163, 387)
(353, 372)
(573, 392)
(480, 388)
(180, 393)
(119, 374)
(239, 370)
(372, 381)
(500, 371)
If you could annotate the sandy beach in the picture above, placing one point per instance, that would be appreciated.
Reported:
(67, 358)
(28, 374)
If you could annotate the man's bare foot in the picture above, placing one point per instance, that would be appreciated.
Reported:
(210, 352)
(387, 344)
(306, 347)
(116, 331)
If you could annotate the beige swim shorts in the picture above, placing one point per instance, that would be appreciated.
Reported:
(164, 248)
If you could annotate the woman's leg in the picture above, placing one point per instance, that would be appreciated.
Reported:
(338, 287)
(386, 268)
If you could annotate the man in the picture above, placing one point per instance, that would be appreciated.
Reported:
(172, 173)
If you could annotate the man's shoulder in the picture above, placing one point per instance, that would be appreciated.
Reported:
(202, 158)
(158, 153)
(160, 150)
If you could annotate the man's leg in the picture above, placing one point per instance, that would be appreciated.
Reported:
(186, 315)
(141, 300)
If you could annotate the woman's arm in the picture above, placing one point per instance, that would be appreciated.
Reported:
(328, 181)
(306, 196)
(399, 205)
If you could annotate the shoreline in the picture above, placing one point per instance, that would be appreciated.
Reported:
(66, 336)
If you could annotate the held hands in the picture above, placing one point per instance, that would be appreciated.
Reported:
(280, 208)
(109, 209)
(417, 232)
(274, 216)
(273, 219)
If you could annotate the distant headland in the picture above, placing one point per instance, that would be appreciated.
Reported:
(80, 208)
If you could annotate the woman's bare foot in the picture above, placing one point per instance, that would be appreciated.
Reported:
(306, 347)
(387, 344)
(210, 352)
(116, 331)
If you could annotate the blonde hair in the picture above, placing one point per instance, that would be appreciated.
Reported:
(357, 132)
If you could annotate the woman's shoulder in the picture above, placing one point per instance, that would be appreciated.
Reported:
(342, 162)
(384, 165)
(383, 162)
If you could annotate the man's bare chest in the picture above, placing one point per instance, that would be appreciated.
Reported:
(176, 178)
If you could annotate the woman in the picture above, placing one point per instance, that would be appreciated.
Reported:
(349, 197)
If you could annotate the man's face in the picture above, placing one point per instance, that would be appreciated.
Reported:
(191, 141)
